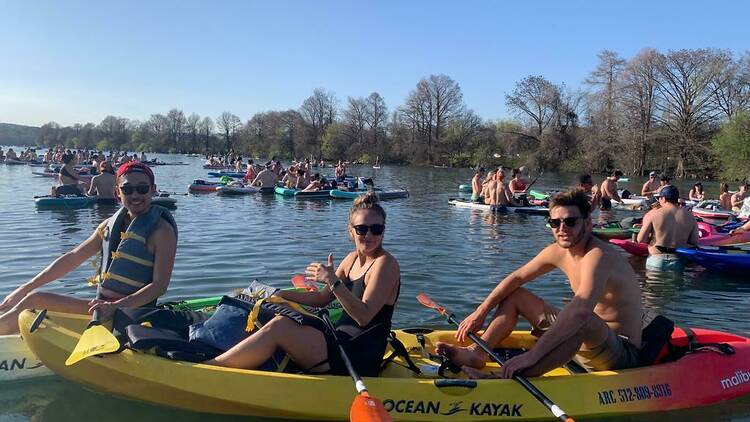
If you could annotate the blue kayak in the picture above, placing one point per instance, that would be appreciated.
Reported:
(65, 201)
(719, 259)
(382, 194)
(232, 174)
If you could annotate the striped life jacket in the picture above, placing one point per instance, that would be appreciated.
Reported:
(126, 264)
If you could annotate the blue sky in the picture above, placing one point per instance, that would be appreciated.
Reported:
(74, 61)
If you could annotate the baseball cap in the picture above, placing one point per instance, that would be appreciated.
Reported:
(670, 193)
(652, 174)
(135, 167)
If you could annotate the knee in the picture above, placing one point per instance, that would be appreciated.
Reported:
(511, 302)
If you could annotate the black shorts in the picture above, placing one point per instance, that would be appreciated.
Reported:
(606, 204)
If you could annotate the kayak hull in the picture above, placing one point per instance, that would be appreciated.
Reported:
(721, 260)
(463, 203)
(382, 194)
(17, 363)
(235, 190)
(65, 202)
(631, 247)
(695, 380)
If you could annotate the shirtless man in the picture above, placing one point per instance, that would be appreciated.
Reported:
(266, 179)
(498, 194)
(103, 184)
(586, 184)
(666, 229)
(135, 189)
(11, 155)
(739, 197)
(609, 190)
(476, 185)
(651, 186)
(602, 322)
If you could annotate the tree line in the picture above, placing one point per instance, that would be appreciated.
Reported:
(681, 112)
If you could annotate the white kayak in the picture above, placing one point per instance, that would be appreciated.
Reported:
(17, 362)
(464, 203)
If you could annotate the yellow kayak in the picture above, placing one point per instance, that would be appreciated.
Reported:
(694, 380)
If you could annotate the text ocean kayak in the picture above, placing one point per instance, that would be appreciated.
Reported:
(694, 380)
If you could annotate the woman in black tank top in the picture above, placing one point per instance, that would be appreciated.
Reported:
(367, 284)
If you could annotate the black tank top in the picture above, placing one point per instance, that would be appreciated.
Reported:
(357, 287)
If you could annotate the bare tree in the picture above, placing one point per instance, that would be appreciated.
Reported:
(228, 124)
(192, 125)
(377, 119)
(605, 77)
(732, 87)
(638, 84)
(355, 122)
(176, 127)
(533, 100)
(435, 102)
(206, 129)
(687, 86)
(319, 111)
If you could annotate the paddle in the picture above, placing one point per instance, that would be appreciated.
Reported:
(559, 413)
(365, 408)
(528, 188)
(299, 281)
(95, 340)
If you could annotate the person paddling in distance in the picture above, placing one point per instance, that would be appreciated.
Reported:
(366, 283)
(137, 243)
(651, 186)
(667, 228)
(609, 190)
(103, 184)
(739, 197)
(696, 193)
(725, 198)
(476, 185)
(516, 184)
(586, 184)
(602, 322)
(69, 178)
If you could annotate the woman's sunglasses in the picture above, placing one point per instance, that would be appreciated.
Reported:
(128, 190)
(569, 222)
(375, 229)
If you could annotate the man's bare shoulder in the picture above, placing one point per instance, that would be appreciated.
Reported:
(164, 230)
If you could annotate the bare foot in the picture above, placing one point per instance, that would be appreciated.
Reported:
(462, 356)
(477, 374)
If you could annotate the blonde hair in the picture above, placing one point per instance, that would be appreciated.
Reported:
(368, 201)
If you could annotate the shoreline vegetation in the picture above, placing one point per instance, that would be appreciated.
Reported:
(679, 112)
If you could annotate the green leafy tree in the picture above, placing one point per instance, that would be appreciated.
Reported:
(731, 147)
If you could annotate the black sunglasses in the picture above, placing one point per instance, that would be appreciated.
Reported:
(128, 190)
(376, 229)
(569, 222)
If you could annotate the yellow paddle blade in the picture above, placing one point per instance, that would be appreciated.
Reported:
(94, 341)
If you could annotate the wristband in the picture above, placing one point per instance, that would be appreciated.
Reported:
(335, 284)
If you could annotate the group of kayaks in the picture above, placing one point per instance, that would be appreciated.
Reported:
(424, 394)
(225, 186)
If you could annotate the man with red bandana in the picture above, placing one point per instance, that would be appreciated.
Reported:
(138, 246)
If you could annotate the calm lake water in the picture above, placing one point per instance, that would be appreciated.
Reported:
(456, 255)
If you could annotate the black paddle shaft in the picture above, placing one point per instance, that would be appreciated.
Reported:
(549, 404)
(349, 367)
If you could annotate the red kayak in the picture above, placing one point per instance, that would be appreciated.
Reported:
(710, 236)
(631, 247)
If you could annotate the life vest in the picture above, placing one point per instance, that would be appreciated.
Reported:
(127, 265)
